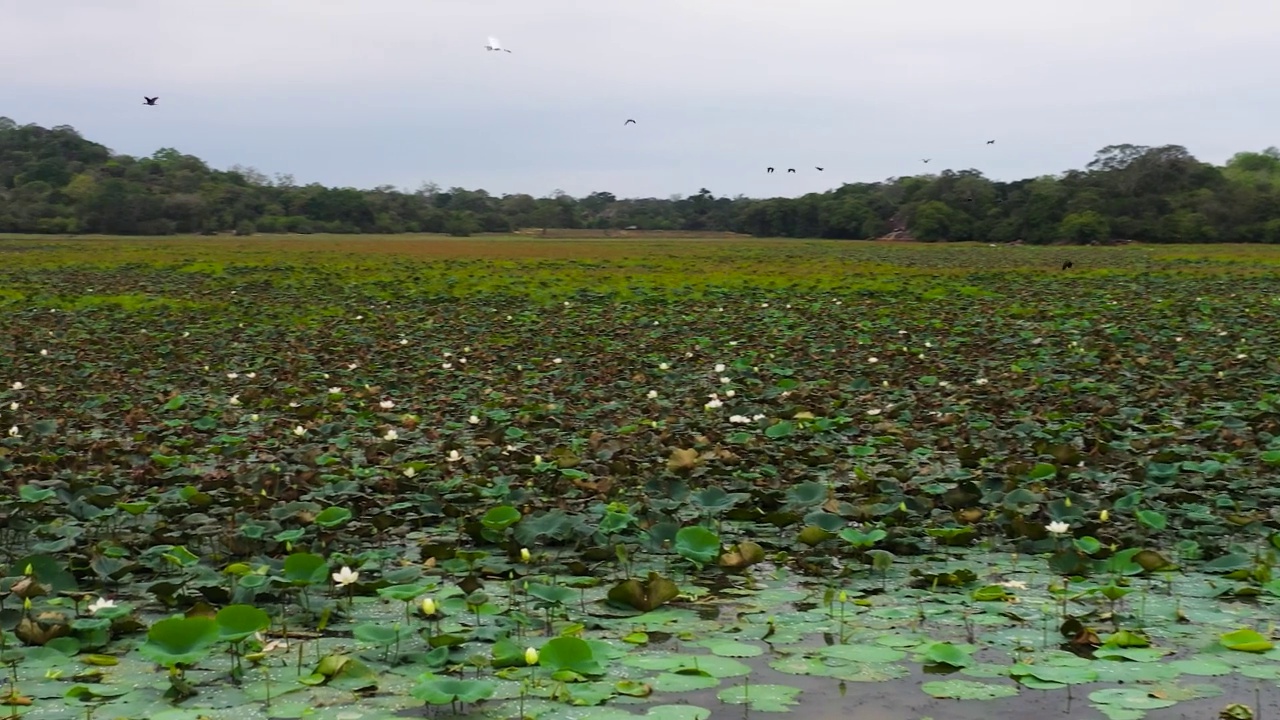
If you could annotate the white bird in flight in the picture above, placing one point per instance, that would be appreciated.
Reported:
(494, 45)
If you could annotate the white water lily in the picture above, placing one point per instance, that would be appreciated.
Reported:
(232, 376)
(386, 404)
(981, 381)
(557, 361)
(739, 419)
(14, 406)
(409, 472)
(1057, 527)
(730, 393)
(359, 317)
(664, 366)
(352, 366)
(294, 404)
(299, 430)
(719, 368)
(100, 604)
(44, 353)
(335, 390)
(652, 394)
(13, 431)
(874, 411)
(446, 366)
(714, 403)
(404, 341)
(346, 576)
(758, 416)
(873, 359)
(454, 456)
(17, 386)
(391, 436)
(725, 381)
(1013, 584)
(253, 417)
(235, 400)
(474, 419)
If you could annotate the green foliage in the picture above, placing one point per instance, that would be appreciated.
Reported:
(55, 181)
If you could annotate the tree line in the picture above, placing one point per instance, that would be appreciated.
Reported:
(52, 180)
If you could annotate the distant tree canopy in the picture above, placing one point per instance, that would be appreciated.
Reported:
(54, 181)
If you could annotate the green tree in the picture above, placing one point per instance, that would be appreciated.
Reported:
(1085, 227)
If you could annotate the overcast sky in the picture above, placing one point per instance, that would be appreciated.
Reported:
(402, 91)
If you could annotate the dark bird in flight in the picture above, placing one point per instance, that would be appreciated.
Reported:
(926, 160)
(991, 142)
(817, 168)
(629, 122)
(769, 170)
(150, 101)
(1068, 265)
(791, 169)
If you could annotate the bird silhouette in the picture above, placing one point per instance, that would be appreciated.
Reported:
(150, 100)
(926, 160)
(769, 170)
(991, 142)
(494, 45)
(629, 122)
(791, 169)
(1068, 265)
(817, 168)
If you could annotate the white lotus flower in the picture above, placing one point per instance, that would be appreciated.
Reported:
(652, 394)
(13, 431)
(409, 472)
(664, 366)
(251, 375)
(446, 366)
(1057, 527)
(235, 400)
(359, 317)
(730, 393)
(299, 430)
(14, 406)
(253, 417)
(17, 386)
(294, 404)
(346, 576)
(391, 436)
(386, 404)
(100, 604)
(874, 411)
(352, 366)
(873, 360)
(232, 376)
(44, 352)
(739, 419)
(719, 368)
(714, 403)
(474, 420)
(335, 390)
(758, 416)
(404, 341)
(454, 456)
(981, 381)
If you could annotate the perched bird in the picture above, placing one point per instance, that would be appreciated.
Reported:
(769, 170)
(991, 142)
(494, 45)
(815, 167)
(149, 101)
(629, 122)
(1068, 265)
(791, 169)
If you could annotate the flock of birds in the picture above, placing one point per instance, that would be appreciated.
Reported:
(494, 45)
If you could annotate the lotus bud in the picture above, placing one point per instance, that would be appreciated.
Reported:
(1104, 516)
(428, 606)
(524, 555)
(531, 656)
(844, 597)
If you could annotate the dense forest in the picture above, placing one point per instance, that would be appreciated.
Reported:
(52, 180)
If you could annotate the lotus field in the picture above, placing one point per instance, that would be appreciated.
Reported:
(374, 478)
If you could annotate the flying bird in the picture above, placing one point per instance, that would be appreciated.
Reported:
(1068, 265)
(926, 160)
(629, 122)
(991, 142)
(494, 45)
(769, 170)
(817, 168)
(150, 100)
(791, 169)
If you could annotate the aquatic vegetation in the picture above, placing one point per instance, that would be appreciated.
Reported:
(610, 483)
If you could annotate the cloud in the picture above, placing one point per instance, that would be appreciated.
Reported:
(396, 91)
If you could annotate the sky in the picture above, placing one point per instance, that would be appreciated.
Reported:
(400, 92)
